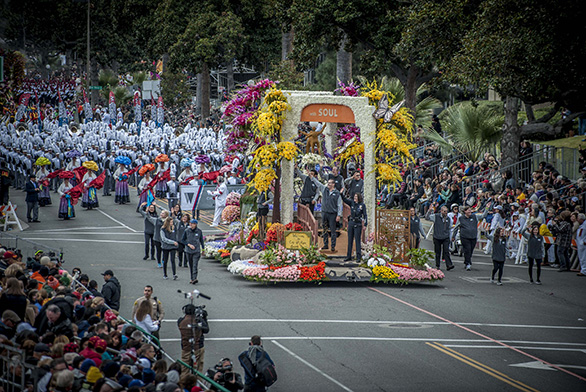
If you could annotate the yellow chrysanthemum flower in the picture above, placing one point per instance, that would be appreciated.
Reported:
(287, 150)
(383, 272)
(262, 179)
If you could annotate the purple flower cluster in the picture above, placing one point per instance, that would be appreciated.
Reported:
(240, 111)
(351, 90)
(344, 134)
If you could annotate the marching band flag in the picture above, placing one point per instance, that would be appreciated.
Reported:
(62, 111)
(22, 104)
(112, 108)
(137, 110)
(160, 112)
(40, 118)
(87, 109)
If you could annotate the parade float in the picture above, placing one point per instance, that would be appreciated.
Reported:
(364, 126)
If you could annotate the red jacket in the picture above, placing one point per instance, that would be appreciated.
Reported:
(88, 353)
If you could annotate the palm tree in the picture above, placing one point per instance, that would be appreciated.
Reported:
(108, 80)
(424, 108)
(121, 96)
(470, 129)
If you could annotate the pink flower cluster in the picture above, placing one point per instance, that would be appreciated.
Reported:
(286, 256)
(289, 274)
(410, 274)
(233, 199)
(231, 213)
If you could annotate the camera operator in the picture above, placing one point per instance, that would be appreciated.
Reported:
(224, 375)
(192, 326)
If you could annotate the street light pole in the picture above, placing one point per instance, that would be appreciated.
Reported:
(88, 64)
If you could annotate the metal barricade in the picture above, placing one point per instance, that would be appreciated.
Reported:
(15, 374)
(28, 248)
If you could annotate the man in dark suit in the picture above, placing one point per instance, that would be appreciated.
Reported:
(32, 199)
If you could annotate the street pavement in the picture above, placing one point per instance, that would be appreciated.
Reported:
(460, 334)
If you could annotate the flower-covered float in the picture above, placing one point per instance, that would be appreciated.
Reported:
(262, 256)
(267, 260)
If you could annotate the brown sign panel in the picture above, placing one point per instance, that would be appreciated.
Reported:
(324, 112)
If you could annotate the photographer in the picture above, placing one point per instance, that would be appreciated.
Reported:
(192, 326)
(224, 375)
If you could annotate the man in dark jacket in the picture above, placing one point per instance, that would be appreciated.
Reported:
(309, 194)
(251, 357)
(355, 185)
(32, 190)
(442, 226)
(331, 204)
(55, 321)
(193, 241)
(111, 290)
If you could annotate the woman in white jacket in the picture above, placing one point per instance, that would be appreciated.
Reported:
(143, 317)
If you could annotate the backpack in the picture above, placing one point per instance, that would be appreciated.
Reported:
(264, 371)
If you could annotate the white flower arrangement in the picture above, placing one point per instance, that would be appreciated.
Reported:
(312, 159)
(374, 261)
(238, 266)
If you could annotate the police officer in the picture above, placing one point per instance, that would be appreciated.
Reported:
(356, 219)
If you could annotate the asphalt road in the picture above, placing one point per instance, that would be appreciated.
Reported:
(460, 334)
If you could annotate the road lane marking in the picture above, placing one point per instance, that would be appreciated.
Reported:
(117, 221)
(311, 366)
(482, 367)
(520, 347)
(84, 240)
(475, 332)
(90, 233)
(74, 228)
(579, 346)
(386, 322)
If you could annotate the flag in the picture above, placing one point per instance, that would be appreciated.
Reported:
(137, 110)
(62, 111)
(197, 197)
(159, 68)
(160, 112)
(150, 198)
(87, 109)
(75, 193)
(79, 173)
(23, 102)
(112, 108)
(55, 173)
(153, 109)
(39, 112)
(98, 182)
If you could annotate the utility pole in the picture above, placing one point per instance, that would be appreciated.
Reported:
(88, 63)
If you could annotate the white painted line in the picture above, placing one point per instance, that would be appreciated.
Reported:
(91, 233)
(84, 240)
(74, 228)
(311, 366)
(309, 321)
(117, 221)
(383, 339)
